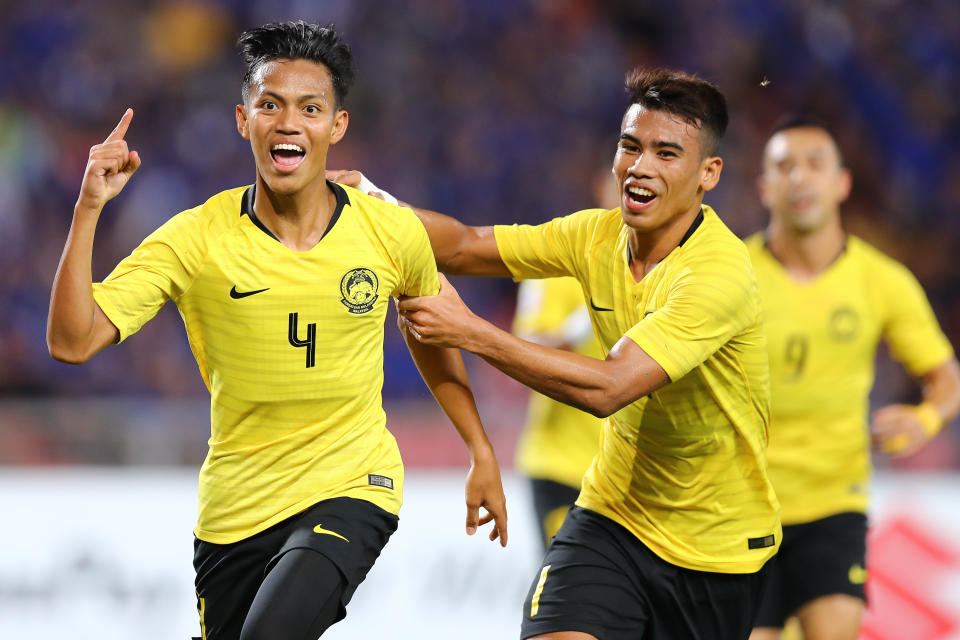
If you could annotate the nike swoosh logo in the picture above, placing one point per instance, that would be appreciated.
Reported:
(596, 308)
(236, 295)
(319, 529)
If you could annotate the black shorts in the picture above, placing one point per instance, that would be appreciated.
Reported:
(816, 559)
(598, 578)
(551, 501)
(351, 535)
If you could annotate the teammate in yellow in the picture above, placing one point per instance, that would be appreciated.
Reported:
(676, 516)
(283, 288)
(830, 298)
(558, 441)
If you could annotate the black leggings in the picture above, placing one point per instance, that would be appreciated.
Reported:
(299, 599)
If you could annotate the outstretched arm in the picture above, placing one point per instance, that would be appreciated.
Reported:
(901, 429)
(76, 326)
(458, 248)
(600, 387)
(443, 371)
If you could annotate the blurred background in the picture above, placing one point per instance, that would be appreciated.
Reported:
(491, 110)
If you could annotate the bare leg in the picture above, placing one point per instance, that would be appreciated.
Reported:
(833, 617)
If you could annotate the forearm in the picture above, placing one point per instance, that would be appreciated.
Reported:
(461, 249)
(443, 371)
(70, 322)
(599, 387)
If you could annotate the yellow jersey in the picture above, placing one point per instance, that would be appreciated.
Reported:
(558, 441)
(684, 468)
(290, 346)
(823, 338)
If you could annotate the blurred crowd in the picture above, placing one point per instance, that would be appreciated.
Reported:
(492, 110)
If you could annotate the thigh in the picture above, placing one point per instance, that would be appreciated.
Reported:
(701, 605)
(349, 532)
(298, 600)
(823, 558)
(551, 502)
(584, 584)
(833, 617)
(771, 613)
(227, 579)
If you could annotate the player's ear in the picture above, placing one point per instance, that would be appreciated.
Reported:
(242, 122)
(339, 128)
(844, 185)
(762, 190)
(710, 170)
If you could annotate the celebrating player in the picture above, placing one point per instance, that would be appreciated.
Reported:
(283, 287)
(676, 516)
(829, 299)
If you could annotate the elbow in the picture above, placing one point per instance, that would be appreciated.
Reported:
(602, 405)
(65, 353)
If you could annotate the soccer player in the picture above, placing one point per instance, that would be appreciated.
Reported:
(558, 441)
(829, 299)
(676, 516)
(283, 288)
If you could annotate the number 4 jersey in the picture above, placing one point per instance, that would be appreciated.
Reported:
(823, 336)
(290, 345)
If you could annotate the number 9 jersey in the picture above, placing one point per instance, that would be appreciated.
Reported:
(290, 345)
(823, 336)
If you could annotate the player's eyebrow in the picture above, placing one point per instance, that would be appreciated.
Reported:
(659, 144)
(307, 96)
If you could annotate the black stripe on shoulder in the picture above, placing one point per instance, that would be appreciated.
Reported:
(693, 227)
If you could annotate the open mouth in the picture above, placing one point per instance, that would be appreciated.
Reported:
(287, 156)
(639, 197)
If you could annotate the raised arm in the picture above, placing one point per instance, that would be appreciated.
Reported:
(76, 326)
(902, 429)
(600, 387)
(443, 371)
(458, 248)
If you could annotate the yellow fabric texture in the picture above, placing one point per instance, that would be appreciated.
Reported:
(823, 337)
(286, 432)
(558, 441)
(683, 469)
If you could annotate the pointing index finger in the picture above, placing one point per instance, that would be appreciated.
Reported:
(122, 126)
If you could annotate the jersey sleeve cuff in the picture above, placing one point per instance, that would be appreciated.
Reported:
(659, 351)
(113, 314)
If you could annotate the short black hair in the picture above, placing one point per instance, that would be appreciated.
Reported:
(297, 40)
(803, 120)
(693, 99)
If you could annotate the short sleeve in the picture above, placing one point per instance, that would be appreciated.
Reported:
(910, 327)
(161, 268)
(418, 267)
(706, 306)
(546, 250)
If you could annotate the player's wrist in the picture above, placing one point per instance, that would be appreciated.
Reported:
(366, 186)
(929, 417)
(85, 210)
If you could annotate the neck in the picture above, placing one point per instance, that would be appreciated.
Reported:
(648, 248)
(298, 219)
(805, 255)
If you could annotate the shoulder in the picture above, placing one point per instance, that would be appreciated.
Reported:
(755, 243)
(714, 242)
(218, 214)
(866, 255)
(378, 213)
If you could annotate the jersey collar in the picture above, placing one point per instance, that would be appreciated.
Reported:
(246, 208)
